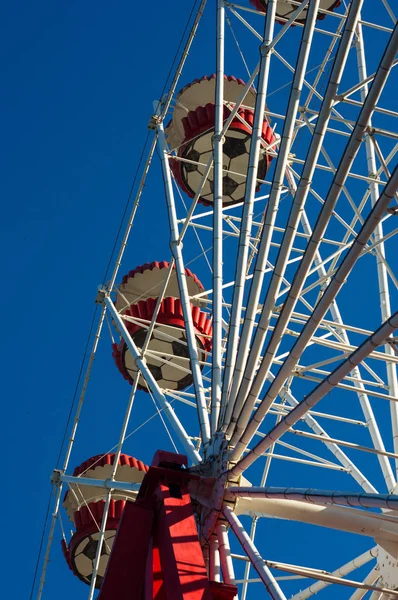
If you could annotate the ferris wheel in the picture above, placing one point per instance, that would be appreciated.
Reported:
(265, 339)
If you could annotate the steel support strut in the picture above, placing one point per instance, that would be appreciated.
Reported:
(264, 572)
(296, 211)
(247, 216)
(379, 337)
(385, 304)
(217, 221)
(153, 386)
(241, 379)
(176, 248)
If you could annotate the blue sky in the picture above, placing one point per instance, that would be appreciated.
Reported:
(78, 84)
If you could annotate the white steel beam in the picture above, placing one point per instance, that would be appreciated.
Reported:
(214, 559)
(269, 220)
(345, 443)
(332, 446)
(319, 312)
(319, 497)
(385, 304)
(382, 528)
(166, 103)
(363, 398)
(370, 579)
(247, 216)
(227, 565)
(153, 386)
(217, 221)
(324, 216)
(342, 571)
(254, 556)
(176, 248)
(297, 207)
(379, 337)
(108, 484)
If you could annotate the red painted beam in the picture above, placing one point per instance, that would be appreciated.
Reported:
(125, 574)
(183, 566)
(155, 588)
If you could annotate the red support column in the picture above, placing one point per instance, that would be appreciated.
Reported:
(181, 557)
(125, 574)
(155, 582)
(156, 554)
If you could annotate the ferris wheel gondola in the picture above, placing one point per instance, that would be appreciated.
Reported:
(285, 9)
(191, 132)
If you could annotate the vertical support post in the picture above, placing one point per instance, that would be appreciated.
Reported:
(183, 566)
(109, 493)
(215, 570)
(157, 553)
(217, 220)
(362, 396)
(382, 274)
(176, 248)
(247, 216)
(224, 549)
(244, 374)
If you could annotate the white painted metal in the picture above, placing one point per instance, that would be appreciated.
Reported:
(327, 209)
(214, 559)
(319, 497)
(382, 528)
(216, 389)
(224, 549)
(184, 55)
(363, 398)
(176, 249)
(106, 483)
(354, 359)
(265, 574)
(247, 216)
(385, 303)
(370, 579)
(342, 571)
(270, 216)
(387, 562)
(319, 312)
